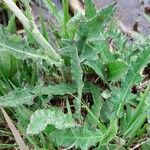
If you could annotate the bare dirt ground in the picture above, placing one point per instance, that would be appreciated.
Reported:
(130, 12)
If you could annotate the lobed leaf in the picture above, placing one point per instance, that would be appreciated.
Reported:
(90, 29)
(14, 45)
(41, 118)
(58, 89)
(104, 51)
(77, 75)
(25, 96)
(88, 53)
(79, 137)
(17, 98)
(97, 66)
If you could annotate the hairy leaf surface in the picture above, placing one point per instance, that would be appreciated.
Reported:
(17, 98)
(18, 48)
(58, 89)
(77, 75)
(25, 96)
(91, 29)
(111, 132)
(79, 137)
(41, 118)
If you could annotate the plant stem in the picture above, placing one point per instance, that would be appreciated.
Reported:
(34, 30)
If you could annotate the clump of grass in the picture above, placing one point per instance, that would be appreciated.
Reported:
(79, 96)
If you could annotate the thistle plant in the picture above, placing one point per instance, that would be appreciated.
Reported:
(80, 96)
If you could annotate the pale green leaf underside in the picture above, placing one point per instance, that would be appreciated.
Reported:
(41, 118)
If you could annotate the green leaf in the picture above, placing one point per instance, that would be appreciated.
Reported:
(14, 45)
(79, 137)
(25, 96)
(41, 118)
(11, 27)
(73, 23)
(77, 75)
(139, 116)
(116, 70)
(98, 122)
(88, 53)
(97, 99)
(142, 106)
(90, 10)
(131, 78)
(107, 111)
(111, 147)
(8, 64)
(111, 132)
(52, 8)
(57, 89)
(136, 125)
(96, 107)
(90, 29)
(97, 66)
(17, 98)
(104, 51)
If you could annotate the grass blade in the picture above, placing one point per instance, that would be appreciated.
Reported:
(15, 132)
